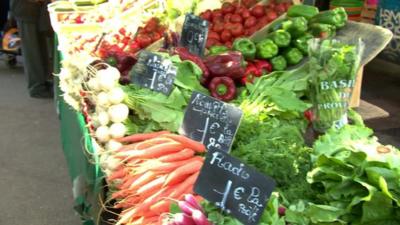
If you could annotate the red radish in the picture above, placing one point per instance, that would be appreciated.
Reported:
(281, 211)
(186, 208)
(182, 219)
(199, 218)
(191, 200)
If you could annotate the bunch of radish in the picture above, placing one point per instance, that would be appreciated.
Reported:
(192, 213)
(154, 170)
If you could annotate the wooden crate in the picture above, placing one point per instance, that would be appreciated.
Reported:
(368, 13)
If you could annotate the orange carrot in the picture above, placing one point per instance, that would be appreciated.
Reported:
(131, 179)
(152, 186)
(185, 187)
(184, 154)
(161, 206)
(181, 173)
(141, 137)
(165, 168)
(187, 142)
(117, 174)
(155, 151)
(152, 142)
(143, 179)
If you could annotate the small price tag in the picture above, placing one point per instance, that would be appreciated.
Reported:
(194, 34)
(154, 72)
(211, 122)
(234, 187)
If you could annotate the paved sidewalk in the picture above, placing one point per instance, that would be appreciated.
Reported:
(34, 183)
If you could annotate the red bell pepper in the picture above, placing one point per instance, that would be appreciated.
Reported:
(263, 66)
(250, 74)
(222, 88)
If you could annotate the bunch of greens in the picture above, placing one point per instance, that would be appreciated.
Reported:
(154, 111)
(357, 181)
(333, 67)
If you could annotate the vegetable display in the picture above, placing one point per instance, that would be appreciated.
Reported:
(289, 86)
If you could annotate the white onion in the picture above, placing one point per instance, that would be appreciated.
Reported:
(118, 113)
(116, 95)
(117, 130)
(113, 72)
(103, 118)
(102, 99)
(105, 80)
(113, 145)
(93, 84)
(113, 163)
(103, 134)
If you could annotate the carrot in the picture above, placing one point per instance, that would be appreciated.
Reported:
(184, 154)
(141, 137)
(156, 151)
(117, 174)
(187, 142)
(185, 187)
(181, 173)
(165, 168)
(143, 179)
(161, 206)
(129, 181)
(152, 142)
(128, 202)
(152, 186)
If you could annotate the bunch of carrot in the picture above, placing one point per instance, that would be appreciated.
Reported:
(157, 168)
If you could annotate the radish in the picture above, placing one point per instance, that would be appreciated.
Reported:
(113, 145)
(199, 218)
(106, 81)
(103, 134)
(116, 95)
(113, 163)
(183, 219)
(186, 207)
(118, 113)
(191, 200)
(117, 130)
(102, 99)
(103, 118)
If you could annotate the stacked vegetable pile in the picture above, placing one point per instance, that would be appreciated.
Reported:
(346, 177)
(155, 169)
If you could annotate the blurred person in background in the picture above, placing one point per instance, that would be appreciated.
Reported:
(4, 7)
(34, 28)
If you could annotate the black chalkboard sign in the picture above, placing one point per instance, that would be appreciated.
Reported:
(154, 72)
(237, 189)
(194, 34)
(211, 122)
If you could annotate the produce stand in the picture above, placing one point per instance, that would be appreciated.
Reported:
(162, 122)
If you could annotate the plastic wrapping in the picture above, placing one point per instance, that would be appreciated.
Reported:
(333, 67)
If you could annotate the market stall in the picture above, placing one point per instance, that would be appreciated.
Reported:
(209, 112)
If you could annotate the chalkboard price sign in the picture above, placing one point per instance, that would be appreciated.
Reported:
(154, 72)
(211, 122)
(237, 189)
(194, 34)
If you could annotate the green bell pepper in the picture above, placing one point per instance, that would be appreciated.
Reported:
(246, 47)
(280, 37)
(266, 49)
(302, 43)
(296, 26)
(278, 63)
(293, 56)
(321, 30)
(336, 17)
(306, 11)
(217, 49)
